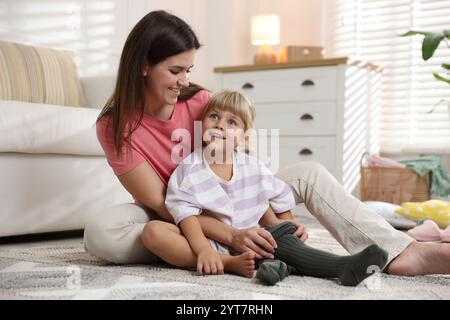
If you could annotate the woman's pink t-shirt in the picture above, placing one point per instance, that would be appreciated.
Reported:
(152, 141)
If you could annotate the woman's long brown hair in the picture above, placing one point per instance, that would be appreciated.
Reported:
(155, 37)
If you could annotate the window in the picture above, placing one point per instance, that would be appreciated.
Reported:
(369, 30)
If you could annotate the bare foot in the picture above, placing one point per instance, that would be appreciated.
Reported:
(243, 264)
(422, 258)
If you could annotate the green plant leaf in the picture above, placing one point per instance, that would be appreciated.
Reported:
(441, 78)
(439, 103)
(445, 66)
(430, 43)
(413, 33)
(446, 33)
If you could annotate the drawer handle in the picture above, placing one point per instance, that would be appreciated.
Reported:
(306, 116)
(247, 85)
(305, 152)
(307, 83)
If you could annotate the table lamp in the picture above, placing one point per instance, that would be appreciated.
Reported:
(265, 30)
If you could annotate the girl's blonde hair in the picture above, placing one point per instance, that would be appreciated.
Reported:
(234, 102)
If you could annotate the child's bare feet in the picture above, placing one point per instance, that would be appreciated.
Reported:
(243, 264)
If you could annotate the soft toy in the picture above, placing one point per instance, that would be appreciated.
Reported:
(436, 210)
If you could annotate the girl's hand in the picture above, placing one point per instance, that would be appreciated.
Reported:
(255, 239)
(209, 262)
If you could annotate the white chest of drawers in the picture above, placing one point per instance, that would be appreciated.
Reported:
(325, 110)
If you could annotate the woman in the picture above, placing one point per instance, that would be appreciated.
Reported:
(152, 98)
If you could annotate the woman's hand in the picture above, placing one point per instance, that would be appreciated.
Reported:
(255, 239)
(209, 262)
(301, 230)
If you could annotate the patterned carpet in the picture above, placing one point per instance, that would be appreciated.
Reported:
(68, 272)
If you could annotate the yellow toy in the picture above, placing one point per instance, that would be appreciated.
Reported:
(436, 210)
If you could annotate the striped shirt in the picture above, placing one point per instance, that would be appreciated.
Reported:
(240, 202)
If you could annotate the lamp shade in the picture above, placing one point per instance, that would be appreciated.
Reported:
(265, 29)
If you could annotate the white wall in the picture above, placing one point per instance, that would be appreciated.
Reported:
(96, 29)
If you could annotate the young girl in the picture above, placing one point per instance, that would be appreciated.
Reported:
(220, 180)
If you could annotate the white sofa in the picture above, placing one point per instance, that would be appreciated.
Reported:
(54, 175)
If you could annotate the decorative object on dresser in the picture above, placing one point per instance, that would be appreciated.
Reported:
(300, 53)
(265, 31)
(326, 110)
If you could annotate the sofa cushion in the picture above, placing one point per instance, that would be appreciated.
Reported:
(43, 128)
(40, 75)
(387, 211)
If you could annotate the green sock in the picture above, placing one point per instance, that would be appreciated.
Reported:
(308, 261)
(278, 230)
(272, 271)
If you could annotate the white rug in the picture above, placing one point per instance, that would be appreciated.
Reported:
(68, 272)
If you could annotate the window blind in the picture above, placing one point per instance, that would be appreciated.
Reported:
(369, 30)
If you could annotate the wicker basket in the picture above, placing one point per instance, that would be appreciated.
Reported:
(393, 185)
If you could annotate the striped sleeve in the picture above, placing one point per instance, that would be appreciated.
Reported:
(280, 195)
(180, 202)
(282, 199)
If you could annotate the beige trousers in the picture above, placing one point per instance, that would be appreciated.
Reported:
(113, 235)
